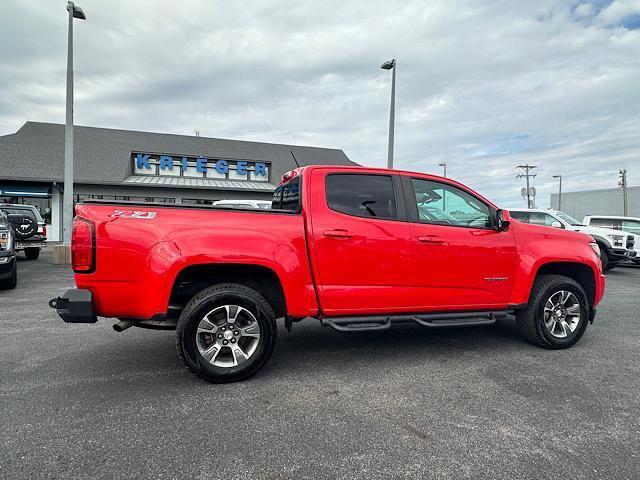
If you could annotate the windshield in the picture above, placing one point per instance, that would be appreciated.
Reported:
(568, 218)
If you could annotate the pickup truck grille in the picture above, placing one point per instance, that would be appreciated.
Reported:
(630, 242)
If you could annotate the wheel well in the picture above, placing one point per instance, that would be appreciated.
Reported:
(581, 273)
(196, 278)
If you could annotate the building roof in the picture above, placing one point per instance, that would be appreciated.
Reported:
(103, 155)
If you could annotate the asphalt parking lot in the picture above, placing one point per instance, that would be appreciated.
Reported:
(82, 401)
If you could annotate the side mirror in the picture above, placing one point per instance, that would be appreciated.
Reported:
(556, 224)
(504, 220)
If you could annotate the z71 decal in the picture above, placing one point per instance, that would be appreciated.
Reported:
(133, 214)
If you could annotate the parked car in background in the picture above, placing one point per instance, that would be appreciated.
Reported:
(615, 246)
(627, 224)
(357, 248)
(29, 228)
(8, 266)
(262, 204)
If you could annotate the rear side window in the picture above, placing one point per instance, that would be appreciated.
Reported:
(523, 217)
(606, 223)
(287, 196)
(362, 195)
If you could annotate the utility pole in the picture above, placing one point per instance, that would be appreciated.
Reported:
(623, 183)
(527, 168)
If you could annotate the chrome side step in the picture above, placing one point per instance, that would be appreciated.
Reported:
(431, 320)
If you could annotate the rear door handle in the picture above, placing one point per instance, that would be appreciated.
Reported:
(431, 239)
(337, 233)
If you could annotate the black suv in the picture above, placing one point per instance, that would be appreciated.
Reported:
(8, 267)
(28, 227)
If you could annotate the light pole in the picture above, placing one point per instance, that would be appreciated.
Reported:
(391, 65)
(67, 210)
(623, 183)
(444, 165)
(559, 177)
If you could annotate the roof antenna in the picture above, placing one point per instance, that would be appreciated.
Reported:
(295, 159)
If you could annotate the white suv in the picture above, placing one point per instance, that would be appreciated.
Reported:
(615, 246)
(627, 224)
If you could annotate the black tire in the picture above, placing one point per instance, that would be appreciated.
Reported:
(530, 321)
(208, 300)
(604, 259)
(12, 281)
(32, 253)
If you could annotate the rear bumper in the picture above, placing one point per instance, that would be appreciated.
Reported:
(74, 305)
(31, 244)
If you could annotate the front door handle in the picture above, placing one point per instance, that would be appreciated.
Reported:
(337, 233)
(431, 239)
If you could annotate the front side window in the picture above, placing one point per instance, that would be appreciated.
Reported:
(443, 204)
(361, 195)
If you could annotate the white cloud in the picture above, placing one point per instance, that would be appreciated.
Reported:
(481, 86)
(617, 11)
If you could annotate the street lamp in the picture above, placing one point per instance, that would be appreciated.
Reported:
(67, 210)
(391, 65)
(559, 191)
(445, 168)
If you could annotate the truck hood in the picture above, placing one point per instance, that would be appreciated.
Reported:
(598, 230)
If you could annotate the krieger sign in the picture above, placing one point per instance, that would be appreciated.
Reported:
(178, 165)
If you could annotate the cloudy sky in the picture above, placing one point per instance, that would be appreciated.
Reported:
(482, 85)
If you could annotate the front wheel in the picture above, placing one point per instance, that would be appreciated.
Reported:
(226, 333)
(557, 314)
(12, 281)
(604, 258)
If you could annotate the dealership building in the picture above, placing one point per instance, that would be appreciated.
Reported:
(140, 166)
(608, 201)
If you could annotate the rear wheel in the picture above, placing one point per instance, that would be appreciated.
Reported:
(557, 314)
(32, 253)
(226, 333)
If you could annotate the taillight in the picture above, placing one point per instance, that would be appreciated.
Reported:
(83, 246)
(42, 230)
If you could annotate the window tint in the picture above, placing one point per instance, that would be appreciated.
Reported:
(287, 196)
(361, 195)
(444, 204)
(520, 216)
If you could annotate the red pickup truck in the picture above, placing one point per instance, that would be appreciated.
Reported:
(356, 248)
